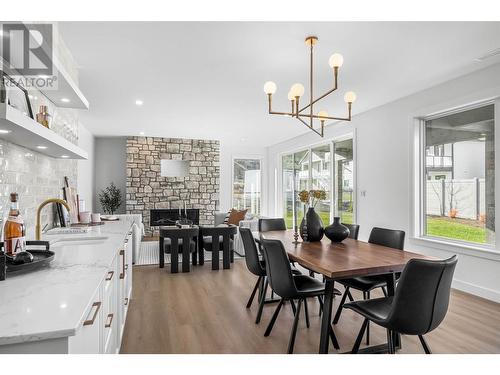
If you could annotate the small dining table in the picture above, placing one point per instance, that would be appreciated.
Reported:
(341, 260)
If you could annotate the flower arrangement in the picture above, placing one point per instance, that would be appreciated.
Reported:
(312, 197)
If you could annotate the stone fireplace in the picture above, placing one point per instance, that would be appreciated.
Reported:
(147, 189)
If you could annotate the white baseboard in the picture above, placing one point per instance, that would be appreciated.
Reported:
(491, 294)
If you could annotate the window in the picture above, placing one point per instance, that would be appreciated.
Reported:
(458, 176)
(344, 181)
(328, 167)
(247, 185)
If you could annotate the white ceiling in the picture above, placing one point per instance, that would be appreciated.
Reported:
(204, 80)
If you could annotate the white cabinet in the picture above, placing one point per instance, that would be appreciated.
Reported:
(88, 338)
(110, 309)
(103, 328)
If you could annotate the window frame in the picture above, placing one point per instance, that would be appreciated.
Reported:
(260, 158)
(329, 141)
(419, 180)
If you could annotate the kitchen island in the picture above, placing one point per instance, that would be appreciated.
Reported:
(77, 304)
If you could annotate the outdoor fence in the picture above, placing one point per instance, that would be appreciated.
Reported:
(466, 197)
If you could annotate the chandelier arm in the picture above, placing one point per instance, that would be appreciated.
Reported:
(309, 127)
(311, 84)
(318, 99)
(332, 117)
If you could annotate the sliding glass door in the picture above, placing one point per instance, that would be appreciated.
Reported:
(295, 177)
(328, 167)
(344, 181)
(321, 179)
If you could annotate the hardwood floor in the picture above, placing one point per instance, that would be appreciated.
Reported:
(204, 312)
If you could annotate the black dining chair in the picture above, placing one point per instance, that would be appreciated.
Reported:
(290, 287)
(172, 241)
(419, 305)
(380, 236)
(268, 225)
(353, 230)
(258, 267)
(216, 239)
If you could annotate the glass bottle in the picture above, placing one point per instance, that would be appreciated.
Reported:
(14, 229)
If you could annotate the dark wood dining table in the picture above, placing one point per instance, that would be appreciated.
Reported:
(336, 261)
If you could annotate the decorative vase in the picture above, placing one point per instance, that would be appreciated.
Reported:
(336, 232)
(311, 229)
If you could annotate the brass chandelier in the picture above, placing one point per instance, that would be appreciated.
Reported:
(297, 90)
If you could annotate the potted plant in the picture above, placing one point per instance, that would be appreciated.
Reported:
(311, 227)
(110, 199)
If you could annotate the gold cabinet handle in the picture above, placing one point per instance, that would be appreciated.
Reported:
(97, 306)
(122, 275)
(126, 301)
(110, 275)
(110, 320)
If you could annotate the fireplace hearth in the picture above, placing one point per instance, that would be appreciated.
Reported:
(164, 216)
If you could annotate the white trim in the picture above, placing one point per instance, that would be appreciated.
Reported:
(477, 290)
(417, 177)
(259, 157)
(351, 134)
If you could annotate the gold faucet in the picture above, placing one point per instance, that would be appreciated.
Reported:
(38, 229)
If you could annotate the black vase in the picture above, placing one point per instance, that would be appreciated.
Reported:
(314, 226)
(337, 232)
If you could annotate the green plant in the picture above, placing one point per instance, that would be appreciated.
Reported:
(110, 199)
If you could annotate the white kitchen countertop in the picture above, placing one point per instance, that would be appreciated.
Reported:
(51, 302)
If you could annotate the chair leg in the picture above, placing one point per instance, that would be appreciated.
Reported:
(427, 350)
(349, 295)
(339, 309)
(273, 318)
(294, 309)
(250, 300)
(320, 300)
(334, 338)
(361, 333)
(390, 342)
(368, 325)
(262, 300)
(306, 312)
(291, 343)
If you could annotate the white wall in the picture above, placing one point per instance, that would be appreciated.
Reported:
(110, 166)
(229, 151)
(86, 173)
(384, 141)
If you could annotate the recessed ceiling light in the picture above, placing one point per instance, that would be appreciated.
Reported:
(41, 147)
(65, 100)
(243, 139)
(65, 156)
(139, 102)
(4, 131)
(141, 133)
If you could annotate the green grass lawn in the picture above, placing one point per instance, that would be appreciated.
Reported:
(345, 217)
(455, 229)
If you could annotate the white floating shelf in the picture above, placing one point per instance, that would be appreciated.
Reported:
(26, 132)
(66, 88)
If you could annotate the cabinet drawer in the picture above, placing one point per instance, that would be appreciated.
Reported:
(88, 338)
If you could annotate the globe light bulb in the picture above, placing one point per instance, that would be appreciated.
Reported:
(297, 90)
(350, 97)
(323, 114)
(290, 96)
(336, 60)
(270, 87)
